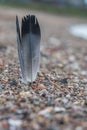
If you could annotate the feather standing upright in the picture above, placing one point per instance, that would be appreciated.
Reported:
(28, 47)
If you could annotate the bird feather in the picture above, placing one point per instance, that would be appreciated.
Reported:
(29, 47)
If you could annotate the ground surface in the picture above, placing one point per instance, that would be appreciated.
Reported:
(57, 100)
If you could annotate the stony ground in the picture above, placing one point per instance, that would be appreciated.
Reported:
(57, 100)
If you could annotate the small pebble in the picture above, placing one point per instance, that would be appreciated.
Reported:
(59, 109)
(14, 122)
(13, 83)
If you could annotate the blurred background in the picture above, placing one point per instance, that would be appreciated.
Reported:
(60, 20)
(79, 3)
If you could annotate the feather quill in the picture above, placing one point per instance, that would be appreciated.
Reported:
(29, 47)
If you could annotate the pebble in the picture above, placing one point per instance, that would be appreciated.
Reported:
(46, 112)
(50, 87)
(4, 124)
(53, 127)
(35, 126)
(79, 128)
(41, 86)
(13, 83)
(43, 92)
(68, 96)
(24, 94)
(84, 81)
(59, 109)
(15, 122)
(84, 73)
(2, 86)
(63, 81)
(21, 111)
(35, 100)
(64, 100)
(72, 58)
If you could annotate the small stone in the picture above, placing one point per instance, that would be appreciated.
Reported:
(68, 106)
(79, 128)
(41, 86)
(84, 81)
(53, 128)
(43, 92)
(35, 126)
(84, 124)
(60, 65)
(65, 100)
(13, 83)
(63, 81)
(4, 124)
(76, 80)
(40, 74)
(22, 94)
(72, 58)
(14, 122)
(83, 73)
(28, 94)
(21, 111)
(68, 96)
(2, 87)
(59, 109)
(66, 118)
(50, 87)
(35, 100)
(75, 66)
(46, 112)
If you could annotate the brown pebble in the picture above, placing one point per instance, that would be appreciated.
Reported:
(4, 124)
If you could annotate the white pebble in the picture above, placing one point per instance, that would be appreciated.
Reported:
(68, 96)
(59, 109)
(72, 58)
(46, 112)
(14, 122)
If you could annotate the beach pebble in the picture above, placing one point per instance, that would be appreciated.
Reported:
(59, 109)
(15, 122)
(46, 112)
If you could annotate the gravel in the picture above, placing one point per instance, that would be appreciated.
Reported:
(58, 96)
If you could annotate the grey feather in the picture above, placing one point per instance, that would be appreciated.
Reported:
(29, 47)
(20, 54)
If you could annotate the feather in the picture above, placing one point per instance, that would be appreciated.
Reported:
(29, 47)
(19, 48)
